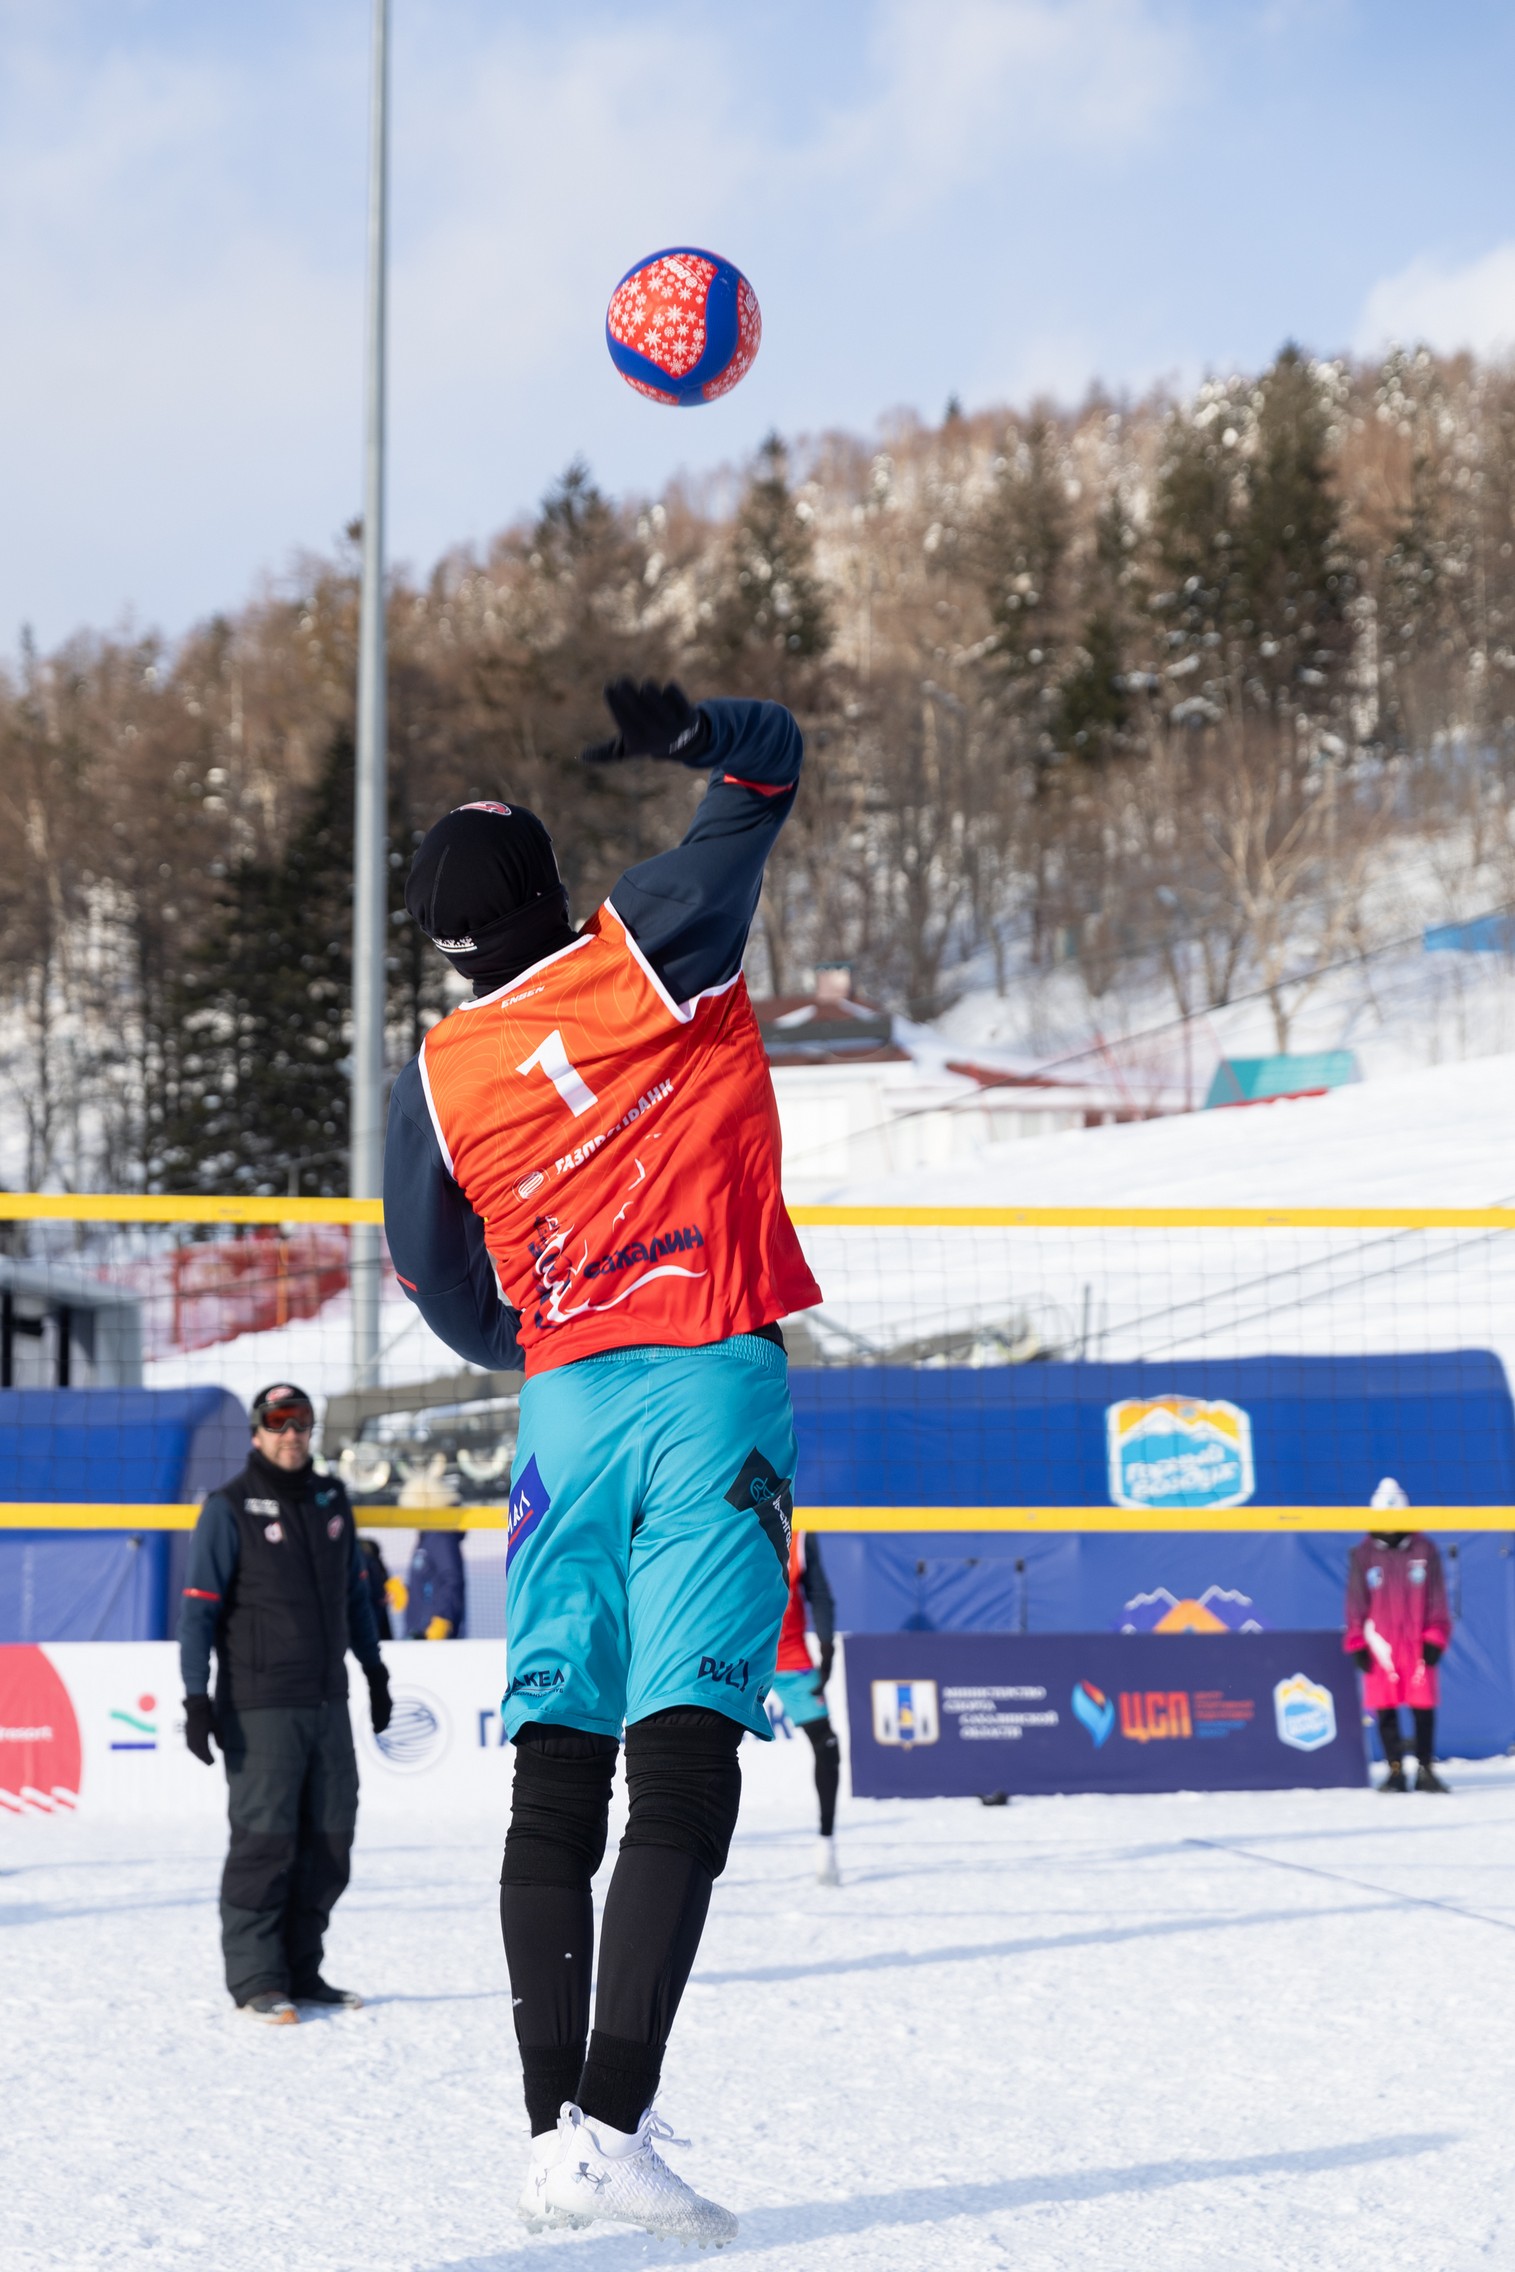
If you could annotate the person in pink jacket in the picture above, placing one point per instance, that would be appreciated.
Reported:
(1398, 1627)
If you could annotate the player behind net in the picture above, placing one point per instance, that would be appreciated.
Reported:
(582, 1175)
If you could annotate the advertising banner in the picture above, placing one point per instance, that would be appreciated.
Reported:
(95, 1731)
(954, 1715)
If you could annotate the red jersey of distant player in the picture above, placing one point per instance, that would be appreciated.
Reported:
(1396, 1602)
(622, 1151)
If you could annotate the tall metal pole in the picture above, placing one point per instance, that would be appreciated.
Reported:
(369, 879)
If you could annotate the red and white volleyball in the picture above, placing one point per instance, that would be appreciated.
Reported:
(683, 326)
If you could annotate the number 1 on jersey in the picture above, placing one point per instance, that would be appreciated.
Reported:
(552, 1059)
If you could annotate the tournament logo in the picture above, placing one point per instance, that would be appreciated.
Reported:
(905, 1713)
(1093, 1710)
(1179, 1451)
(418, 1732)
(529, 1502)
(134, 1731)
(1304, 1713)
(1219, 1609)
(40, 1752)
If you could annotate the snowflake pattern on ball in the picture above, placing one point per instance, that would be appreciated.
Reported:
(659, 313)
(749, 335)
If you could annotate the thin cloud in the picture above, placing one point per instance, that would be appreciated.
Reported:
(1444, 305)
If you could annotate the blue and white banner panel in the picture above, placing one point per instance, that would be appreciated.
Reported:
(954, 1715)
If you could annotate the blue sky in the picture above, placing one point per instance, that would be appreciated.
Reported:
(986, 197)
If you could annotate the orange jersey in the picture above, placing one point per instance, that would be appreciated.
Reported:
(622, 1151)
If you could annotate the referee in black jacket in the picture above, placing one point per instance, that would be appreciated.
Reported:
(276, 1586)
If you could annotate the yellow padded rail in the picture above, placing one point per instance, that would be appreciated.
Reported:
(87, 1515)
(137, 1207)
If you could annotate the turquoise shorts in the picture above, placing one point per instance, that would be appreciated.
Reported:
(647, 1562)
(796, 1692)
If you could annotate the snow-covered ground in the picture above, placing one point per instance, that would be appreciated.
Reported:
(1219, 2034)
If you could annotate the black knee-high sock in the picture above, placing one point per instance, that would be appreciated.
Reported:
(685, 1786)
(828, 1770)
(1425, 1733)
(556, 1839)
(654, 1915)
(1391, 1736)
(549, 1952)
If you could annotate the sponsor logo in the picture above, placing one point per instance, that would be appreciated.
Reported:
(1304, 1713)
(1155, 1715)
(418, 1732)
(1417, 1573)
(40, 1751)
(261, 1506)
(905, 1713)
(532, 1183)
(134, 1731)
(1179, 1451)
(486, 805)
(682, 1241)
(657, 1094)
(1219, 1609)
(463, 946)
(538, 1683)
(529, 1502)
(273, 1532)
(726, 1672)
(1093, 1710)
(334, 1526)
(760, 1486)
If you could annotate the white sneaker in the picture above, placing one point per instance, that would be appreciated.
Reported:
(620, 2175)
(532, 2208)
(826, 1871)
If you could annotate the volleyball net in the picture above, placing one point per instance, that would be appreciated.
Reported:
(970, 1368)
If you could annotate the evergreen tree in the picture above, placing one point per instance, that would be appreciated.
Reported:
(769, 618)
(265, 1006)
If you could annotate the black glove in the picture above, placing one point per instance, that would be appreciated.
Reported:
(1363, 1659)
(1432, 1652)
(381, 1709)
(823, 1673)
(199, 1727)
(654, 721)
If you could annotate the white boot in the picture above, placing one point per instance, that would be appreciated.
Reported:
(826, 1871)
(532, 2208)
(620, 2175)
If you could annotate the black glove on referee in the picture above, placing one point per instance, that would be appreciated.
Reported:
(380, 1706)
(199, 1727)
(654, 721)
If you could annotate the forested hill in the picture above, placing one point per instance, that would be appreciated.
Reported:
(1166, 687)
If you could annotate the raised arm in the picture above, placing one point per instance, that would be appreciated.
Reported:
(690, 909)
(436, 1241)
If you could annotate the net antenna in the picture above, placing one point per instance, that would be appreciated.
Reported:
(369, 881)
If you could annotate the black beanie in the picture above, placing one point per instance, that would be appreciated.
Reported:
(484, 887)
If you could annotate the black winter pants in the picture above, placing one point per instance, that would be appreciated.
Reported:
(292, 1788)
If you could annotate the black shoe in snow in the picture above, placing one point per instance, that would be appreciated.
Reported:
(272, 2007)
(319, 1991)
(1394, 1780)
(1427, 1779)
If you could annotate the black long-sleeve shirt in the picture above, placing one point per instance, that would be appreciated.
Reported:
(690, 910)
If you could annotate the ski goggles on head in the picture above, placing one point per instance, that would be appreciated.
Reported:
(283, 1413)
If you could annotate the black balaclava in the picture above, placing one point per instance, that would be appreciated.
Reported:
(484, 887)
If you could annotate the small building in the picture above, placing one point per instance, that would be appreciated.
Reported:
(59, 1329)
(854, 1102)
(1272, 1080)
